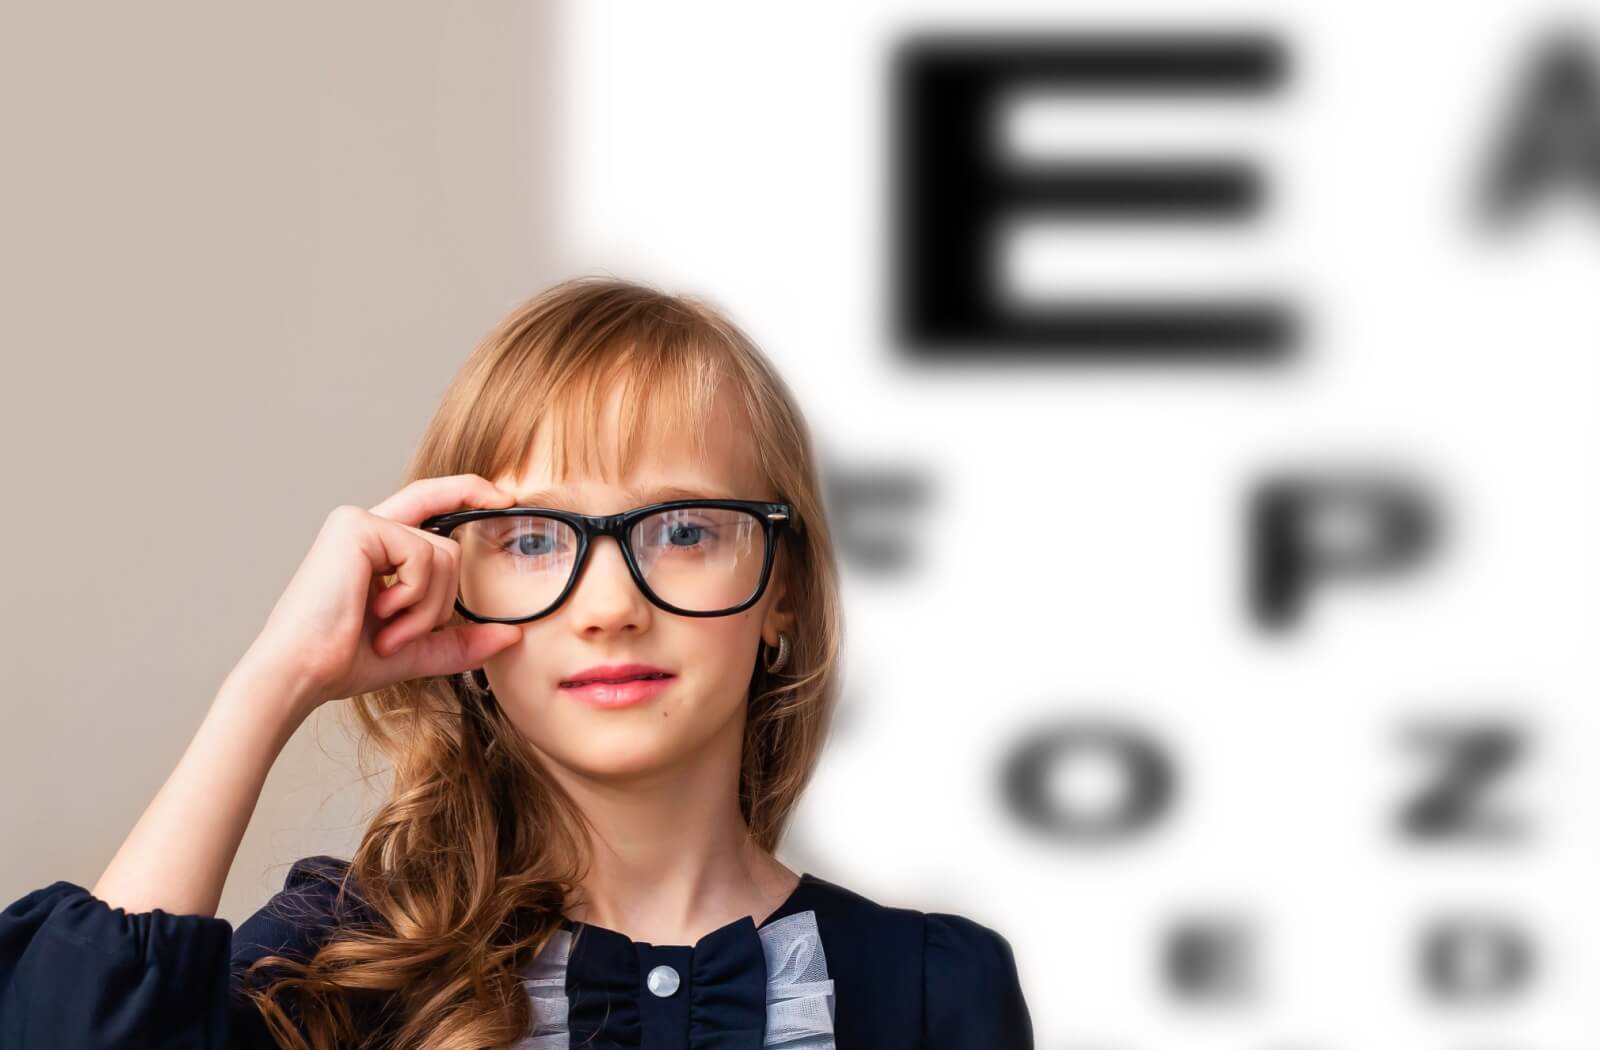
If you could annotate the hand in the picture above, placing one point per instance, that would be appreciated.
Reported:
(339, 630)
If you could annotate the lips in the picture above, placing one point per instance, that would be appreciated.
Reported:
(611, 674)
(614, 681)
(617, 685)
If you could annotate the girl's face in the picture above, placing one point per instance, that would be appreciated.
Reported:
(607, 620)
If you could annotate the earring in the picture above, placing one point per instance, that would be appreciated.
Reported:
(476, 684)
(783, 654)
(475, 687)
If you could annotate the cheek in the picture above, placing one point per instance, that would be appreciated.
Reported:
(714, 658)
(724, 647)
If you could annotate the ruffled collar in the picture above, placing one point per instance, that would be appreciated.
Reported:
(742, 986)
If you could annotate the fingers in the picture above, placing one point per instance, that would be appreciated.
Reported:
(437, 598)
(426, 497)
(457, 649)
(389, 545)
(407, 509)
(426, 556)
(426, 570)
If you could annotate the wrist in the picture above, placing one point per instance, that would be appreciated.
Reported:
(269, 690)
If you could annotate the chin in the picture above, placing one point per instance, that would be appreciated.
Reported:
(612, 750)
(640, 759)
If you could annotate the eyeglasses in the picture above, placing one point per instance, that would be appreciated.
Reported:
(693, 557)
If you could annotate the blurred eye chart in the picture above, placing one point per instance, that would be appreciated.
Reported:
(1210, 408)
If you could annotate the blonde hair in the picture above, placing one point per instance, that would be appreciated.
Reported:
(466, 866)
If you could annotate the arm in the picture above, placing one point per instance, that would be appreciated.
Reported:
(77, 973)
(336, 631)
(177, 856)
(143, 960)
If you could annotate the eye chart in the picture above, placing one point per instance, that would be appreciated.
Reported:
(1210, 407)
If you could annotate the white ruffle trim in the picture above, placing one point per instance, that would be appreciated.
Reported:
(800, 1001)
(799, 991)
(545, 978)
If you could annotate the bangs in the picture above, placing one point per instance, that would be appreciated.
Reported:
(598, 378)
(668, 397)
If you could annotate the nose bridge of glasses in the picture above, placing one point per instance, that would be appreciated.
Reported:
(606, 527)
(621, 572)
(602, 526)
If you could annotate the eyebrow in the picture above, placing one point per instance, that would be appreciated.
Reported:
(641, 496)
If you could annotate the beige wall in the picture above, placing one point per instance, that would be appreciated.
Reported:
(244, 248)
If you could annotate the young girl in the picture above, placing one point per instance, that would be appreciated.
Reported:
(597, 635)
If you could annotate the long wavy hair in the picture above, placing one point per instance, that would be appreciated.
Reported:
(465, 868)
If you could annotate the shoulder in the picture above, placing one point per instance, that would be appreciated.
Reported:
(316, 898)
(315, 888)
(944, 974)
(951, 946)
(844, 916)
(959, 948)
(319, 898)
(972, 988)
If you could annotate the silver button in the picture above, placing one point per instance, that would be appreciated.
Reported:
(662, 980)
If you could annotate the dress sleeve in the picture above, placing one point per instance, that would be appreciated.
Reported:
(77, 973)
(972, 995)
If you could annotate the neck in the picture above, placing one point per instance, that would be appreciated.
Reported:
(671, 855)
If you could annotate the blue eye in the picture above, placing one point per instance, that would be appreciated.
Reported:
(529, 540)
(537, 541)
(677, 532)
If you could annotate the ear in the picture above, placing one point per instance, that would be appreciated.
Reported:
(779, 618)
(776, 624)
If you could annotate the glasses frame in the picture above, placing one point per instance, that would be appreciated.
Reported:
(776, 519)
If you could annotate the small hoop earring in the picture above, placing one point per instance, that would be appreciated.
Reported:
(783, 654)
(478, 691)
(469, 681)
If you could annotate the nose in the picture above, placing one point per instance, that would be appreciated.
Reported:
(605, 594)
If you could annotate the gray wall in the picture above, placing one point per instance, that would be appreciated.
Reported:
(244, 249)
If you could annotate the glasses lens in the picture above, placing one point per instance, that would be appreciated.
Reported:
(697, 558)
(514, 566)
(703, 559)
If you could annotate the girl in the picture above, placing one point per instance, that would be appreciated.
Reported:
(597, 635)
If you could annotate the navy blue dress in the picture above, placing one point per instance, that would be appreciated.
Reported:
(828, 970)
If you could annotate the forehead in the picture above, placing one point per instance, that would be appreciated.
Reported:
(667, 462)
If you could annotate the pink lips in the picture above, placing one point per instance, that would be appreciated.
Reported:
(582, 685)
(617, 694)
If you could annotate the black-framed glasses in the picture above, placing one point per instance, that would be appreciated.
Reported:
(693, 557)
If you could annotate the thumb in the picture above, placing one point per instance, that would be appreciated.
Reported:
(456, 649)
